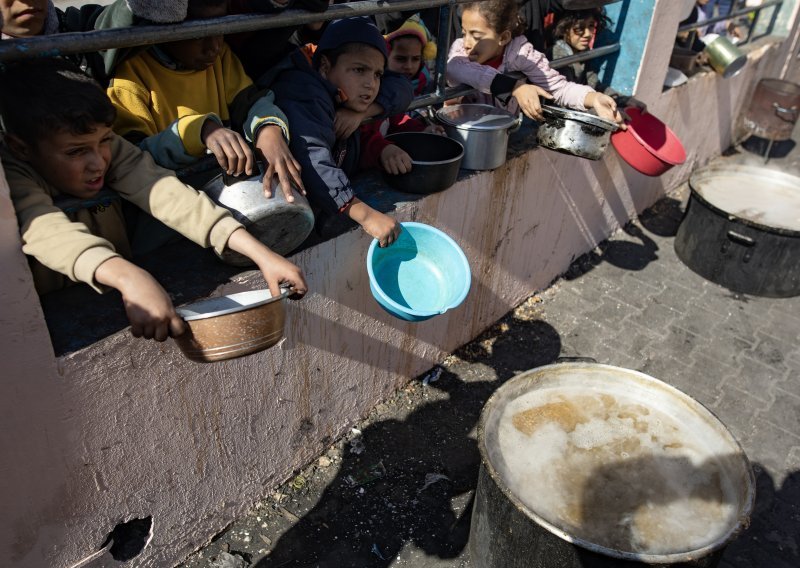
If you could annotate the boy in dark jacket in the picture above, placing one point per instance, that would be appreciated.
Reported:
(343, 73)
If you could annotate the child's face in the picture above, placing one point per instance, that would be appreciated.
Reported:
(481, 42)
(406, 56)
(580, 35)
(198, 54)
(23, 18)
(357, 74)
(75, 164)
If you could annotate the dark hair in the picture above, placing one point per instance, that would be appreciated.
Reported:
(573, 18)
(45, 95)
(502, 15)
(196, 5)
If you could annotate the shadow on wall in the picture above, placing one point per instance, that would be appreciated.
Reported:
(349, 527)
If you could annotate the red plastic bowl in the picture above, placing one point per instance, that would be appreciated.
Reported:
(648, 144)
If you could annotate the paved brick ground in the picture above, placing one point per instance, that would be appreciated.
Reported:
(631, 303)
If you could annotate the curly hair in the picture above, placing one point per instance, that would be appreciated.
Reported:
(573, 18)
(501, 15)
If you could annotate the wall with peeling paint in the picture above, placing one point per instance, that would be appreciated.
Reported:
(128, 428)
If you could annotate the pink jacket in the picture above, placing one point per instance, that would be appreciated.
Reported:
(520, 55)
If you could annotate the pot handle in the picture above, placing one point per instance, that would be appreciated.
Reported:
(741, 239)
(781, 111)
(517, 124)
(576, 360)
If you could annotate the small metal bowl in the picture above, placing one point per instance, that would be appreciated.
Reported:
(232, 326)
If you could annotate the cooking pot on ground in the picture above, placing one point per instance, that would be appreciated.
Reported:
(232, 326)
(482, 130)
(277, 223)
(435, 161)
(773, 109)
(585, 464)
(573, 132)
(741, 229)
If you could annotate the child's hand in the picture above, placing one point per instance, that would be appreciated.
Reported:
(346, 122)
(606, 107)
(395, 161)
(276, 269)
(274, 151)
(435, 129)
(528, 99)
(147, 305)
(230, 148)
(376, 224)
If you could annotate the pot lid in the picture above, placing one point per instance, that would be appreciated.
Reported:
(476, 117)
(228, 304)
(616, 461)
(551, 111)
(761, 196)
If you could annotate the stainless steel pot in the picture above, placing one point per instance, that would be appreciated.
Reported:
(483, 130)
(280, 225)
(742, 229)
(574, 132)
(584, 464)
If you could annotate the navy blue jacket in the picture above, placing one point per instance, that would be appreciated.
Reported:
(309, 102)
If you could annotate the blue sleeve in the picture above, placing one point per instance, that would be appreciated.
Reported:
(395, 94)
(312, 143)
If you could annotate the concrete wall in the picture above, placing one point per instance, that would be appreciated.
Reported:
(128, 428)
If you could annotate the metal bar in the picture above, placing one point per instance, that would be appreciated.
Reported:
(753, 23)
(83, 42)
(731, 16)
(585, 56)
(442, 43)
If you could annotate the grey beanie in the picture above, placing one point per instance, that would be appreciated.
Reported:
(158, 11)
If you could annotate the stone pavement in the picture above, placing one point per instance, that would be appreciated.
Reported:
(397, 491)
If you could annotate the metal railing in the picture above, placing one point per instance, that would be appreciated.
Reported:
(84, 42)
(734, 14)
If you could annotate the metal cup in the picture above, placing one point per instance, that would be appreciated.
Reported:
(724, 57)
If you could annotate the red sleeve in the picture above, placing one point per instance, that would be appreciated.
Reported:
(372, 144)
(405, 123)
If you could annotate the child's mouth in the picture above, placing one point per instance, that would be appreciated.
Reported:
(95, 184)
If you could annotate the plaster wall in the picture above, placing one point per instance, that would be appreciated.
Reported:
(129, 428)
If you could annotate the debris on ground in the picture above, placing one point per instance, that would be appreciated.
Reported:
(228, 560)
(366, 475)
(432, 376)
(432, 478)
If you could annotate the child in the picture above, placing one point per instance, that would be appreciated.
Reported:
(177, 100)
(59, 143)
(493, 45)
(344, 73)
(410, 46)
(573, 33)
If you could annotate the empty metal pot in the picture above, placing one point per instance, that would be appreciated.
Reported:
(724, 57)
(573, 132)
(277, 223)
(435, 161)
(482, 130)
(773, 109)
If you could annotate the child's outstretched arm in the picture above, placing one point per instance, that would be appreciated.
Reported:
(276, 269)
(605, 107)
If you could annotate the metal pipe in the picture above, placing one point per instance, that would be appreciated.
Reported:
(443, 40)
(83, 42)
(585, 56)
(732, 15)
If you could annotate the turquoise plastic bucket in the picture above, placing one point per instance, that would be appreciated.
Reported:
(422, 274)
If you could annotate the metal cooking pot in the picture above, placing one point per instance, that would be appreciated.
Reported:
(723, 56)
(576, 133)
(584, 464)
(435, 161)
(280, 225)
(483, 130)
(773, 109)
(742, 229)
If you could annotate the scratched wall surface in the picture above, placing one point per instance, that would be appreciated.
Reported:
(129, 428)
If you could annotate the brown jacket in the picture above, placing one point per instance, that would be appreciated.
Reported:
(72, 245)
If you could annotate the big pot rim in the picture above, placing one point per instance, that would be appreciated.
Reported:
(671, 558)
(457, 158)
(442, 115)
(584, 117)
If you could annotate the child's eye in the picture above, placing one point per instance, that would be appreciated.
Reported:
(76, 152)
(359, 70)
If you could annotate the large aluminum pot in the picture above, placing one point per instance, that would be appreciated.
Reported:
(574, 132)
(280, 225)
(773, 109)
(584, 464)
(483, 131)
(232, 326)
(742, 229)
(723, 56)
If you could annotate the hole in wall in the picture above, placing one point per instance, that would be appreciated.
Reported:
(129, 539)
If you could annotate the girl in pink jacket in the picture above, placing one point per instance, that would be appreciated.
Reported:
(493, 45)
